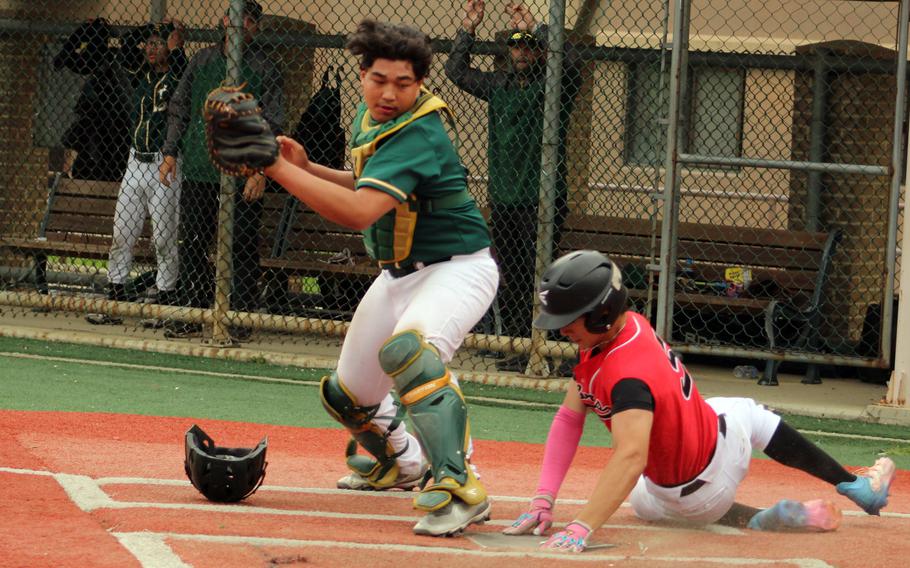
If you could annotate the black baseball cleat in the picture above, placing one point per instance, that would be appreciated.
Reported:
(103, 319)
(182, 330)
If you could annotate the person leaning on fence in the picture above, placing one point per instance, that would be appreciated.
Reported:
(97, 142)
(677, 456)
(154, 72)
(515, 109)
(201, 181)
(408, 193)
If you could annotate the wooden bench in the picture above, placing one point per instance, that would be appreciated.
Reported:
(77, 222)
(297, 241)
(790, 270)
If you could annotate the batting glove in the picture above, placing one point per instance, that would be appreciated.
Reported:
(572, 539)
(538, 519)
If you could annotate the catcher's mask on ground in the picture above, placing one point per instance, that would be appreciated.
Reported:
(223, 474)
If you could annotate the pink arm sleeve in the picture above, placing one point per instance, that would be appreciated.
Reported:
(562, 442)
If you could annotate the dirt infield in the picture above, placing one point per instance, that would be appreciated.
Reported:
(109, 490)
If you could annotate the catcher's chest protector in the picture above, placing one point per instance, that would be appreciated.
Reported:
(392, 236)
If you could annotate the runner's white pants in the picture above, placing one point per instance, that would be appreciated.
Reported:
(749, 426)
(442, 301)
(141, 194)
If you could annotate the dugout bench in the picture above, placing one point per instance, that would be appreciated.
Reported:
(790, 271)
(297, 241)
(78, 221)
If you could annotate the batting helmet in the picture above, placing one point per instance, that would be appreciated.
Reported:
(223, 474)
(581, 283)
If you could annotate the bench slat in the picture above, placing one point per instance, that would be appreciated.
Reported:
(95, 225)
(78, 204)
(707, 300)
(326, 242)
(700, 232)
(93, 247)
(314, 266)
(721, 253)
(89, 188)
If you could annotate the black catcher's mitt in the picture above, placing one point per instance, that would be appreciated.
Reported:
(240, 141)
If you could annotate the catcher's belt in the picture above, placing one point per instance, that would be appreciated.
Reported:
(396, 271)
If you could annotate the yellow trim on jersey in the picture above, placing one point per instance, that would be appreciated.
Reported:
(373, 181)
(403, 232)
(360, 154)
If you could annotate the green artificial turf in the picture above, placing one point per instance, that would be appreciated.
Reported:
(173, 387)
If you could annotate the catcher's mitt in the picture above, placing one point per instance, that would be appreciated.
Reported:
(240, 141)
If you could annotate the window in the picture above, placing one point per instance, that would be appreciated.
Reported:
(711, 117)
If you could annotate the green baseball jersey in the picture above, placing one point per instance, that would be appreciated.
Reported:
(412, 159)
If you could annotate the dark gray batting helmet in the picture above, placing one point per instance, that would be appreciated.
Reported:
(583, 282)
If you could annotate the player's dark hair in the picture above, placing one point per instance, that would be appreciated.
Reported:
(380, 40)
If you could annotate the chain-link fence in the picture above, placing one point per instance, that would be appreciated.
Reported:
(736, 158)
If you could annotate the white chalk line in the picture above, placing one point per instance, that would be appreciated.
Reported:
(90, 493)
(152, 551)
(156, 540)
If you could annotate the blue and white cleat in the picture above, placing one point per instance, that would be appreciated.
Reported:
(787, 515)
(870, 488)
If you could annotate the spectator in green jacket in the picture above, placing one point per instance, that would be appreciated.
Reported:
(199, 195)
(515, 114)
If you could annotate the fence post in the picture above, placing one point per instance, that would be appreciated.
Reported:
(224, 268)
(157, 10)
(549, 166)
(677, 89)
(899, 385)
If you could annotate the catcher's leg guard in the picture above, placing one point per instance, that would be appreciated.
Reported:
(439, 417)
(360, 421)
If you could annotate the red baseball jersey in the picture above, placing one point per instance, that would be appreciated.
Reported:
(684, 430)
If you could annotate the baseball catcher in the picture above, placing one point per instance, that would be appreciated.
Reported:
(408, 194)
(240, 141)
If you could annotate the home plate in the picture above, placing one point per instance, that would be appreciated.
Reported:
(523, 542)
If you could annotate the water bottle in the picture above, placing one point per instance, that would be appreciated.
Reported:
(685, 276)
(687, 270)
(745, 372)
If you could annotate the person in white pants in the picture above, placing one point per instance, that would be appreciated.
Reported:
(408, 193)
(154, 73)
(141, 192)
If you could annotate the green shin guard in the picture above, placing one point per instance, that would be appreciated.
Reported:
(439, 416)
(380, 472)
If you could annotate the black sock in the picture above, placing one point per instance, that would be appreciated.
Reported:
(791, 448)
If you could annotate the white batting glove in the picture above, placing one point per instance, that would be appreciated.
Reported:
(537, 520)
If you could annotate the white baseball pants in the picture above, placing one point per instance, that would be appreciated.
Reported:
(142, 194)
(749, 426)
(442, 301)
